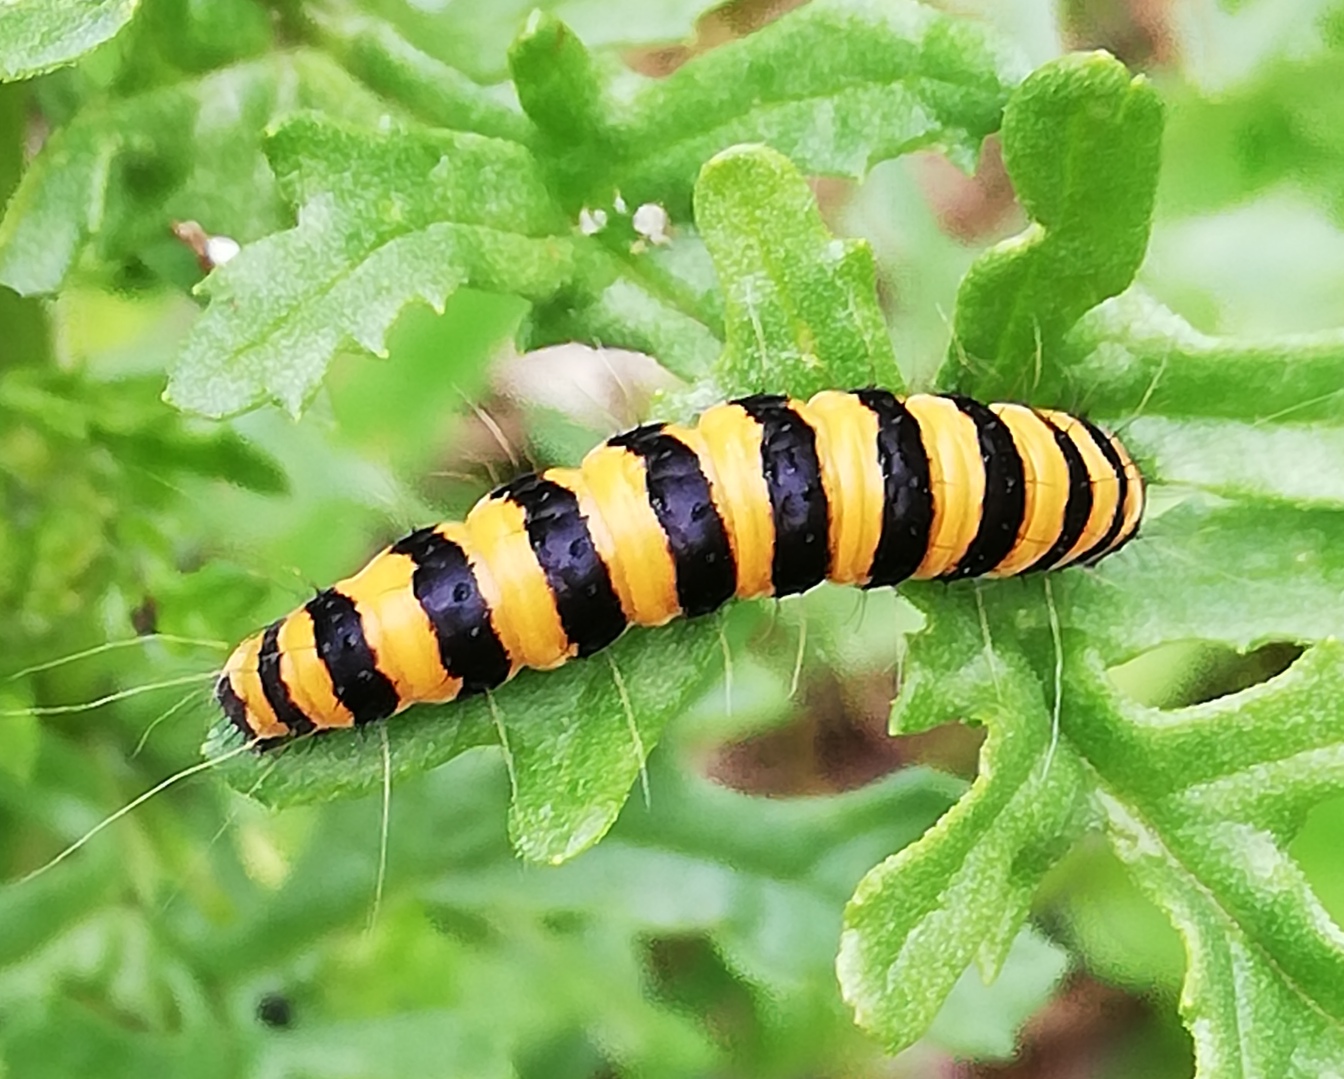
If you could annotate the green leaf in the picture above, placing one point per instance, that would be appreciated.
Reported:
(49, 1039)
(836, 86)
(1080, 141)
(38, 35)
(801, 306)
(693, 830)
(557, 80)
(961, 892)
(898, 79)
(23, 733)
(703, 902)
(374, 51)
(1132, 355)
(385, 220)
(572, 771)
(626, 311)
(1243, 575)
(1293, 462)
(473, 36)
(704, 859)
(1201, 803)
(600, 22)
(639, 301)
(194, 36)
(107, 187)
(576, 740)
(704, 869)
(39, 910)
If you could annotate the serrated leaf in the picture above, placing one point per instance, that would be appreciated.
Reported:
(942, 77)
(577, 740)
(800, 306)
(960, 894)
(836, 86)
(1081, 140)
(385, 219)
(1201, 803)
(109, 185)
(38, 35)
(1246, 1019)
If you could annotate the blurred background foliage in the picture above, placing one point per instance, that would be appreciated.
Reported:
(205, 936)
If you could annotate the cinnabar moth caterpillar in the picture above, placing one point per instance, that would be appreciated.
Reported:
(763, 496)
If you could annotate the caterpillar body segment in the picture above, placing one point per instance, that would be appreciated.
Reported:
(762, 496)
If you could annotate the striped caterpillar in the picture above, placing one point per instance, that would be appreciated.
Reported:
(764, 496)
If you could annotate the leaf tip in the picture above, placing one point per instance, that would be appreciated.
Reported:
(745, 155)
(540, 28)
(743, 173)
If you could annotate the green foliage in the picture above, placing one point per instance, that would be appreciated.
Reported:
(800, 305)
(42, 34)
(358, 154)
(1080, 141)
(383, 220)
(104, 185)
(369, 239)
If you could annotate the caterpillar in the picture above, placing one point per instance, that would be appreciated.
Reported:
(763, 496)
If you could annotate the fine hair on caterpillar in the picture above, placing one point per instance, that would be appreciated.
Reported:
(763, 496)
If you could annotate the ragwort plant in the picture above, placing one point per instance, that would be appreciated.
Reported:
(364, 175)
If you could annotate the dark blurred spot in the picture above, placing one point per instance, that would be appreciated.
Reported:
(133, 275)
(464, 926)
(568, 1052)
(275, 1010)
(1186, 673)
(1079, 1033)
(971, 209)
(145, 618)
(687, 974)
(1139, 32)
(722, 24)
(839, 742)
(564, 921)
